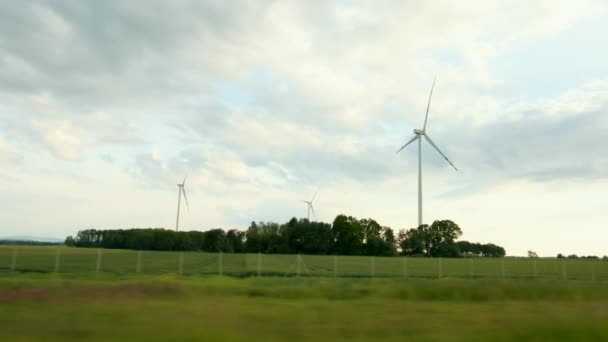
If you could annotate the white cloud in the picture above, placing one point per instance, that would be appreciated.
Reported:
(8, 152)
(61, 137)
(316, 94)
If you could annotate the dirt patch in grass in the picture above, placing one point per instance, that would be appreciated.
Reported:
(36, 294)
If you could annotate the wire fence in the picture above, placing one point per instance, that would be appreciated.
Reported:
(74, 261)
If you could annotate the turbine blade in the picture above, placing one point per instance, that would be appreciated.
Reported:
(407, 143)
(185, 198)
(313, 210)
(313, 197)
(428, 105)
(184, 182)
(437, 148)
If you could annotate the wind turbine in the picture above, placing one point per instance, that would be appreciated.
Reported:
(309, 206)
(182, 190)
(418, 135)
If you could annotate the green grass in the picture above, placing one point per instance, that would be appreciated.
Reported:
(57, 294)
(108, 307)
(78, 261)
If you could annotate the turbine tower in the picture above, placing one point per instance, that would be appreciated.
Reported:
(310, 207)
(418, 135)
(182, 190)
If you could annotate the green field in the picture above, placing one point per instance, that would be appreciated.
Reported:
(35, 307)
(79, 261)
(60, 293)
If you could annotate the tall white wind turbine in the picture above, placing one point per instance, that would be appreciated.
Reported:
(182, 190)
(418, 135)
(310, 206)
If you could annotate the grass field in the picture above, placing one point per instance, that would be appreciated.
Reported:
(78, 261)
(35, 307)
(58, 294)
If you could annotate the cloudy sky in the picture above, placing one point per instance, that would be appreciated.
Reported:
(106, 105)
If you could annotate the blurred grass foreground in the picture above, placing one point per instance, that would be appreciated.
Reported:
(53, 307)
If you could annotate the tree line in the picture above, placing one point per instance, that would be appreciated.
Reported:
(574, 256)
(28, 242)
(347, 235)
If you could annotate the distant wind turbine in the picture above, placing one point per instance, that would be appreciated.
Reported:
(182, 190)
(310, 206)
(418, 134)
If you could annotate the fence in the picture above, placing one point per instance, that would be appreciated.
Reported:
(66, 260)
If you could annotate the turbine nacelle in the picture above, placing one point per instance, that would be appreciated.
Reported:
(418, 131)
(309, 206)
(182, 192)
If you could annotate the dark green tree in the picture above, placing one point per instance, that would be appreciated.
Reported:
(348, 235)
(437, 240)
(414, 241)
(214, 241)
(389, 235)
(235, 241)
(69, 241)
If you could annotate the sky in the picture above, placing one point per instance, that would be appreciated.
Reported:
(106, 105)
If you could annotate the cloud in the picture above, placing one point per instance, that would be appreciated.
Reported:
(151, 167)
(60, 136)
(256, 101)
(558, 138)
(9, 153)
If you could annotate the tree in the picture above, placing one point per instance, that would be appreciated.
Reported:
(69, 241)
(214, 241)
(235, 241)
(348, 235)
(164, 240)
(303, 236)
(442, 235)
(370, 228)
(379, 247)
(532, 254)
(388, 235)
(438, 240)
(414, 241)
(467, 248)
(262, 237)
(492, 250)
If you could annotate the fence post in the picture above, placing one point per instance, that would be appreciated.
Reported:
(259, 265)
(220, 265)
(57, 260)
(335, 266)
(98, 263)
(404, 267)
(373, 266)
(181, 263)
(564, 270)
(138, 267)
(592, 270)
(470, 267)
(535, 268)
(14, 259)
(439, 270)
(299, 265)
(556, 266)
(502, 266)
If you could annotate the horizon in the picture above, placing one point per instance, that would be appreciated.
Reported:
(105, 107)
